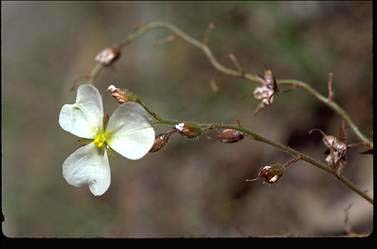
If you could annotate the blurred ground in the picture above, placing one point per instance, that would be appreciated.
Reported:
(192, 188)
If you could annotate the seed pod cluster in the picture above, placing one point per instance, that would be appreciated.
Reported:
(188, 130)
(107, 56)
(272, 173)
(229, 136)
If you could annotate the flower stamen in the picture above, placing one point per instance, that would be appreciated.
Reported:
(101, 139)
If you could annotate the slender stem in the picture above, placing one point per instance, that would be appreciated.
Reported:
(221, 68)
(218, 66)
(265, 140)
(331, 104)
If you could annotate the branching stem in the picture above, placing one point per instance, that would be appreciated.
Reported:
(253, 78)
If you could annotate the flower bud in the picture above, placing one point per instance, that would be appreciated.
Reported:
(160, 142)
(230, 136)
(188, 130)
(273, 173)
(108, 56)
(118, 94)
(122, 96)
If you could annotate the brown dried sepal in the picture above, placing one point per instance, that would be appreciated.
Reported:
(108, 56)
(230, 136)
(160, 142)
(272, 173)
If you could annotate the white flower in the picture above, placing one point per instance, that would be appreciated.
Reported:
(128, 132)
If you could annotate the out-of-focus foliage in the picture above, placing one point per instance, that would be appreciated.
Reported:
(191, 187)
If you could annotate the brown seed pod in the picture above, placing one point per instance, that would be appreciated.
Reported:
(230, 136)
(272, 173)
(188, 130)
(160, 141)
(108, 56)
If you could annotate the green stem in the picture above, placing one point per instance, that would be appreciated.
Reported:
(265, 140)
(330, 104)
(218, 66)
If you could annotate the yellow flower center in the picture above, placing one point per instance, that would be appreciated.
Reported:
(101, 138)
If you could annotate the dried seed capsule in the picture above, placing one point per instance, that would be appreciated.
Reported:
(230, 136)
(188, 130)
(160, 142)
(272, 174)
(108, 56)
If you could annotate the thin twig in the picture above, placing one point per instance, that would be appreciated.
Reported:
(218, 66)
(253, 78)
(298, 155)
(330, 97)
(209, 29)
(235, 62)
(164, 40)
(347, 226)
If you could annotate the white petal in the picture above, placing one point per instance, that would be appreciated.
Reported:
(84, 117)
(88, 166)
(132, 135)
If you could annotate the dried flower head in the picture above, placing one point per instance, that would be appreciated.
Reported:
(188, 130)
(269, 80)
(108, 56)
(272, 173)
(337, 150)
(229, 136)
(266, 92)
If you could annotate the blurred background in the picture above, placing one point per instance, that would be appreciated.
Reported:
(192, 188)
